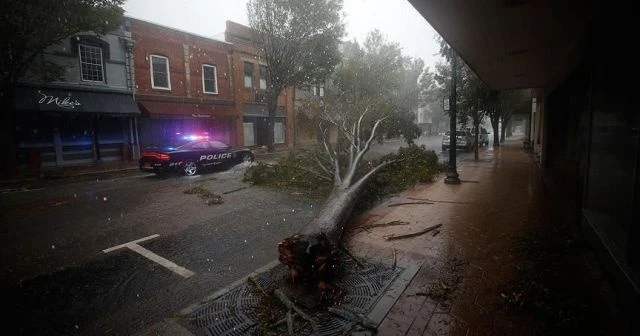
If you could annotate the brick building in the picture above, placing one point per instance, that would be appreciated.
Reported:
(249, 85)
(182, 85)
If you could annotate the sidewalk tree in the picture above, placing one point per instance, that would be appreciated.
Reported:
(431, 96)
(28, 28)
(473, 103)
(299, 41)
(377, 75)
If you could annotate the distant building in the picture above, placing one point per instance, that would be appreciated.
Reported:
(87, 116)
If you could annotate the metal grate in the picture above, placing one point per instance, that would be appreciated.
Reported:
(234, 313)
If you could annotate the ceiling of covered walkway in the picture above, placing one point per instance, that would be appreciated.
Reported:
(513, 44)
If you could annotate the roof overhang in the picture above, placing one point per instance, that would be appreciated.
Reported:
(513, 44)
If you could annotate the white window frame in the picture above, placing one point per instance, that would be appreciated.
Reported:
(244, 75)
(215, 79)
(153, 84)
(263, 79)
(101, 62)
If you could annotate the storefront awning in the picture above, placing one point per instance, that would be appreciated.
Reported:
(186, 110)
(75, 101)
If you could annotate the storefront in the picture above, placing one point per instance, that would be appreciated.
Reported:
(60, 127)
(256, 123)
(166, 122)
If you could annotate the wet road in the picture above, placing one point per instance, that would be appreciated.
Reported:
(59, 281)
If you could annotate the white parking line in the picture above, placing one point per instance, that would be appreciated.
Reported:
(133, 246)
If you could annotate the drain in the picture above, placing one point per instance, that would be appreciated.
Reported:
(236, 311)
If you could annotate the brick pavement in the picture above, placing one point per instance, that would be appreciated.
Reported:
(469, 258)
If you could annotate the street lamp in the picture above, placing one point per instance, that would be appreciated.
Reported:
(452, 173)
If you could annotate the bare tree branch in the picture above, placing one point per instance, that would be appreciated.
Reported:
(361, 152)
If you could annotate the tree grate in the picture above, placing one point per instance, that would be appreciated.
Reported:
(236, 311)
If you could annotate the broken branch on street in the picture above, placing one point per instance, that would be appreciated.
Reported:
(413, 234)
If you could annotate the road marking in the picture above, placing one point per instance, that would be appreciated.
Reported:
(133, 246)
(15, 190)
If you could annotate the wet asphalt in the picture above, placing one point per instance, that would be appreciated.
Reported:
(58, 281)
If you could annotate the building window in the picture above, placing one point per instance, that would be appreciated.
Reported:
(318, 89)
(160, 78)
(209, 79)
(91, 67)
(248, 74)
(263, 77)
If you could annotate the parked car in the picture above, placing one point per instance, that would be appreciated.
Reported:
(483, 138)
(464, 140)
(192, 157)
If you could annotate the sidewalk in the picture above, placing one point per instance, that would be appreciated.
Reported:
(469, 266)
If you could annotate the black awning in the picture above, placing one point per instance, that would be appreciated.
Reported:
(75, 101)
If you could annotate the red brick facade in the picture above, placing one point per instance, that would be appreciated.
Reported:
(185, 107)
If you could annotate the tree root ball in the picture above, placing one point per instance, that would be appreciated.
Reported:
(311, 259)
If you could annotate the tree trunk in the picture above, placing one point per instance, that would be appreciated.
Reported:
(496, 128)
(272, 108)
(476, 129)
(503, 127)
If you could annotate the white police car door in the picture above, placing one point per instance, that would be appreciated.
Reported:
(219, 152)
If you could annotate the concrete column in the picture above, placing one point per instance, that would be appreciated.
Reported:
(57, 141)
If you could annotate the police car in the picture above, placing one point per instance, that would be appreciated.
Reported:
(192, 157)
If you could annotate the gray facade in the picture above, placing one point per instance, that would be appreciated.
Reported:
(88, 114)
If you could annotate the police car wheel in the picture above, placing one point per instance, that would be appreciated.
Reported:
(190, 168)
(247, 158)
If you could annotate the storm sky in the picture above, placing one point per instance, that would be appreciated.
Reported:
(396, 19)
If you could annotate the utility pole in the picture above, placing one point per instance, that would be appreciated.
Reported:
(452, 173)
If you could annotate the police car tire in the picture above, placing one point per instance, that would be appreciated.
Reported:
(247, 158)
(190, 168)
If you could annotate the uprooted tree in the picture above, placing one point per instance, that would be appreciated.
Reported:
(374, 93)
(311, 254)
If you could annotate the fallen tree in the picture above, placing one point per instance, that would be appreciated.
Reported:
(311, 253)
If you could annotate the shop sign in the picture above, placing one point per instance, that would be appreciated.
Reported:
(201, 115)
(66, 103)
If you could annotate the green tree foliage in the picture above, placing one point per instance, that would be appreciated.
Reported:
(299, 173)
(378, 79)
(431, 97)
(28, 27)
(299, 40)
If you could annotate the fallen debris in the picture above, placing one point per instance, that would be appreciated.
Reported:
(434, 201)
(290, 305)
(393, 250)
(378, 225)
(358, 318)
(358, 262)
(290, 322)
(257, 285)
(408, 203)
(413, 234)
(209, 197)
(234, 190)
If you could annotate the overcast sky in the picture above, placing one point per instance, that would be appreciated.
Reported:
(396, 19)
